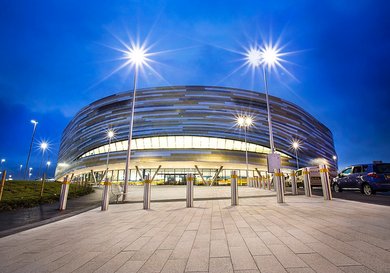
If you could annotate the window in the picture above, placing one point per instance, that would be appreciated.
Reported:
(155, 142)
(181, 142)
(357, 169)
(382, 168)
(347, 171)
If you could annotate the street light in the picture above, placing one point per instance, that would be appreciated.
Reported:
(2, 161)
(268, 57)
(245, 122)
(335, 161)
(29, 151)
(110, 136)
(48, 163)
(136, 56)
(29, 172)
(295, 145)
(43, 146)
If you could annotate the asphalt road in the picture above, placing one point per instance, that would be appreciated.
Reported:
(380, 198)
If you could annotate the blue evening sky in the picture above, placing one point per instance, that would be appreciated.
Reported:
(55, 57)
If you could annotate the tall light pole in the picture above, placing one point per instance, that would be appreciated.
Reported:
(29, 172)
(43, 146)
(335, 162)
(29, 151)
(245, 122)
(136, 56)
(295, 145)
(266, 58)
(48, 163)
(110, 136)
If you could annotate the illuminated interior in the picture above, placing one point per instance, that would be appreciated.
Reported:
(180, 142)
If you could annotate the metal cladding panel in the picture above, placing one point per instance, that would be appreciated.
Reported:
(195, 111)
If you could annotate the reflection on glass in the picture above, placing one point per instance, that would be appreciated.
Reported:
(181, 142)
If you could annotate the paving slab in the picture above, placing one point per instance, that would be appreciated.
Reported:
(259, 235)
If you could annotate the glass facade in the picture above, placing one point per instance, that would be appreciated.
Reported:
(187, 126)
(172, 176)
(179, 142)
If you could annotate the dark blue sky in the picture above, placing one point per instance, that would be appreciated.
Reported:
(54, 58)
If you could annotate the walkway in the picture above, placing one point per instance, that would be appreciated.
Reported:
(259, 235)
(22, 219)
(160, 193)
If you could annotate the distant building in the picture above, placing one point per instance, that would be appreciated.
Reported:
(182, 127)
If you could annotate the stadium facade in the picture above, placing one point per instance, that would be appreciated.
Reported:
(189, 129)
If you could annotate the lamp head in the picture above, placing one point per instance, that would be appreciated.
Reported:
(270, 56)
(136, 55)
(34, 122)
(248, 121)
(240, 121)
(44, 145)
(244, 121)
(295, 145)
(254, 57)
(110, 134)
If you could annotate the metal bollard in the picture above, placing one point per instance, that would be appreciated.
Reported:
(234, 188)
(325, 181)
(2, 185)
(268, 182)
(64, 193)
(306, 181)
(294, 187)
(43, 184)
(105, 196)
(278, 184)
(190, 191)
(147, 192)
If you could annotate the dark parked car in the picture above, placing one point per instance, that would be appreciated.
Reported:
(369, 178)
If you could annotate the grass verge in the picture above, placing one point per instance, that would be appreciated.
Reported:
(26, 194)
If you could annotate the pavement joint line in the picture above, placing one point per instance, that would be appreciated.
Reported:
(243, 218)
(195, 199)
(12, 231)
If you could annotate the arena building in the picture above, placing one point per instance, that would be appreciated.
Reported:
(189, 129)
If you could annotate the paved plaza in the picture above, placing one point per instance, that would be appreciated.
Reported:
(163, 192)
(302, 235)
